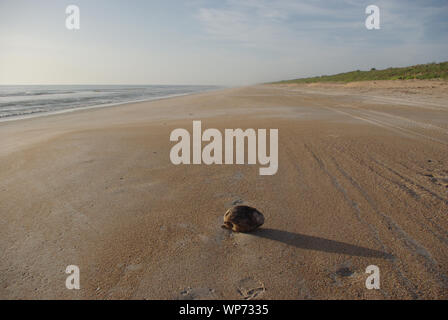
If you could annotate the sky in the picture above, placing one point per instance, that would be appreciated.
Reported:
(225, 42)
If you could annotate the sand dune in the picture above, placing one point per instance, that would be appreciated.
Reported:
(362, 180)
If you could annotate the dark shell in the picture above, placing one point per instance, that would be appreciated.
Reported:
(243, 219)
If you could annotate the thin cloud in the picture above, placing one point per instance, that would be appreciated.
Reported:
(263, 23)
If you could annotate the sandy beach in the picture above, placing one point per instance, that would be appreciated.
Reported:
(362, 180)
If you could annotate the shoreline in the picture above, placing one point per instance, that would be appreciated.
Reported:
(70, 110)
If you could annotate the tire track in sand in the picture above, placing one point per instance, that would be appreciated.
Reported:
(430, 263)
(406, 282)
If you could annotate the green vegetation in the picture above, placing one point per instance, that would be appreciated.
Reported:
(421, 71)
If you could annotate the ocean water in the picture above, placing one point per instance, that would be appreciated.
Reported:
(28, 101)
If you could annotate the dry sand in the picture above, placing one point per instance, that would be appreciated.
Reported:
(362, 180)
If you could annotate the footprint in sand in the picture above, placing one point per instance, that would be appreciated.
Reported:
(250, 288)
(197, 294)
(238, 176)
(344, 272)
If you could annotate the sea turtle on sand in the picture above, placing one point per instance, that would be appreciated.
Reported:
(243, 219)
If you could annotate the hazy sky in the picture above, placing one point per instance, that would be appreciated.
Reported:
(226, 42)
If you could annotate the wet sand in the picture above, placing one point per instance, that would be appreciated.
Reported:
(362, 180)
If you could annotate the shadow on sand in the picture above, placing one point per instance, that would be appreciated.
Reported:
(320, 244)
